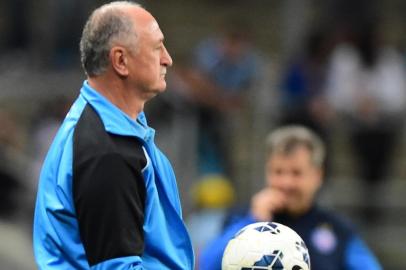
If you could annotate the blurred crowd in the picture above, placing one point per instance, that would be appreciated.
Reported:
(341, 76)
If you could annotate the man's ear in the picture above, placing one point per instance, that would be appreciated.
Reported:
(118, 58)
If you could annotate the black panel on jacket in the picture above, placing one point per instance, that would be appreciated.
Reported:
(108, 190)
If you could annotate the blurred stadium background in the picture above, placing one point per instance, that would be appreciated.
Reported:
(40, 75)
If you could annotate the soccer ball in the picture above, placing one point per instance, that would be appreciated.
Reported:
(266, 246)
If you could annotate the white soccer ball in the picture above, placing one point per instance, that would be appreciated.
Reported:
(266, 246)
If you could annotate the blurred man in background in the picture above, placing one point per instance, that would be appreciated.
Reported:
(294, 175)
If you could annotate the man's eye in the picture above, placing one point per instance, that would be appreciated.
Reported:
(278, 171)
(297, 173)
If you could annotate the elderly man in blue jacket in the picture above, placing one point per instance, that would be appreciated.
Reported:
(107, 197)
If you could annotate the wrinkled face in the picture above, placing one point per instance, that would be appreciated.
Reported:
(149, 61)
(296, 177)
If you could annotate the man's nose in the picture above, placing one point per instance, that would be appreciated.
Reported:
(166, 58)
(287, 182)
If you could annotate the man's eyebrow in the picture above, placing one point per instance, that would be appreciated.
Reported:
(160, 40)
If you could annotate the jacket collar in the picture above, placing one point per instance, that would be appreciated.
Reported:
(115, 120)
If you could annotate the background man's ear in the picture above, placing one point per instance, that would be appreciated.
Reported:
(118, 58)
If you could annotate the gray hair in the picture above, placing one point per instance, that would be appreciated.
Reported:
(287, 139)
(106, 25)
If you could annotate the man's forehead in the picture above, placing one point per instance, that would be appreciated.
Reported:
(154, 28)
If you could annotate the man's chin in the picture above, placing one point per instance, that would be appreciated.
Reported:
(158, 89)
(295, 211)
(161, 88)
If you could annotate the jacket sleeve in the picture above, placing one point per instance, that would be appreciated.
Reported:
(359, 257)
(211, 256)
(109, 196)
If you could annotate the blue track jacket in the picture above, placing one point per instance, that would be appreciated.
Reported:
(107, 197)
